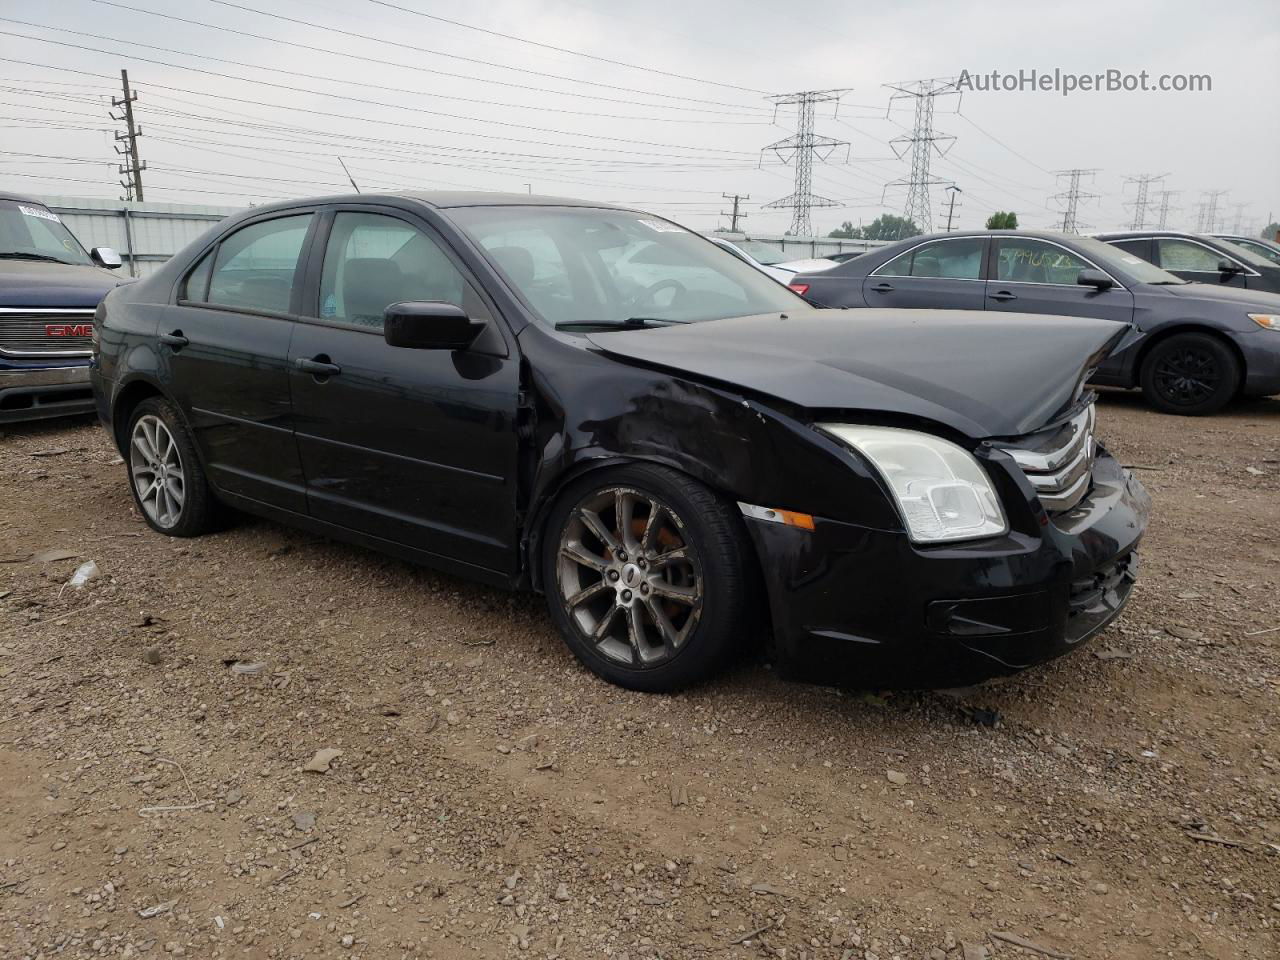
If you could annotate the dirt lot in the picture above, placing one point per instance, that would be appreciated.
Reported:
(492, 799)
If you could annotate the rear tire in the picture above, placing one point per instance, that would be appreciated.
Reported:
(165, 474)
(1192, 374)
(645, 577)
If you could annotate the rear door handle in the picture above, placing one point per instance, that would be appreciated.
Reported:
(1003, 295)
(318, 367)
(883, 288)
(175, 340)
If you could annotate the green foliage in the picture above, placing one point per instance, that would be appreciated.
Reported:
(1271, 231)
(846, 231)
(884, 227)
(1002, 220)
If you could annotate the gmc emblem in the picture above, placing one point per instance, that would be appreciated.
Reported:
(68, 329)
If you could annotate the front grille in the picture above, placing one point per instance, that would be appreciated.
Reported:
(1059, 461)
(45, 332)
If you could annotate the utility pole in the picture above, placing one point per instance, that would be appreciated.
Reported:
(803, 146)
(951, 205)
(133, 165)
(1207, 213)
(735, 216)
(1072, 196)
(923, 142)
(1162, 218)
(1139, 203)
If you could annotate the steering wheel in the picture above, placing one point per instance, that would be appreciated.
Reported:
(648, 296)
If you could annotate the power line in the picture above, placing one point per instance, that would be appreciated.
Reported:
(384, 87)
(536, 43)
(331, 115)
(405, 46)
(370, 103)
(923, 141)
(803, 146)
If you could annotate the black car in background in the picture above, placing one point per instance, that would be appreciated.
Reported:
(1200, 258)
(514, 389)
(1196, 346)
(49, 288)
(1267, 249)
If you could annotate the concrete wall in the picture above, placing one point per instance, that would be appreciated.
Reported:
(803, 248)
(144, 234)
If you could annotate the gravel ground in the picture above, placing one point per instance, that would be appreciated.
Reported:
(492, 799)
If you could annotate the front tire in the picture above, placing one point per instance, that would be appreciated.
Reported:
(1192, 374)
(165, 475)
(644, 572)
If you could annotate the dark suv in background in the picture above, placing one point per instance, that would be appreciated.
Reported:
(1197, 346)
(49, 289)
(1200, 258)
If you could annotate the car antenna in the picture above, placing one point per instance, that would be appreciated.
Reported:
(348, 173)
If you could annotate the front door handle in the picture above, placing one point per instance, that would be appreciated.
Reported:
(1003, 295)
(883, 288)
(320, 366)
(175, 340)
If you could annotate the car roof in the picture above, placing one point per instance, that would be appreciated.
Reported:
(447, 199)
(20, 199)
(1143, 234)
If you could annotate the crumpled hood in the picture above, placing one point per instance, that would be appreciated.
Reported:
(983, 374)
(1222, 293)
(37, 283)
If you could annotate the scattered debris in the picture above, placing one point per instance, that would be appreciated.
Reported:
(84, 573)
(750, 935)
(1214, 838)
(306, 822)
(157, 910)
(53, 556)
(1018, 941)
(1112, 654)
(896, 777)
(679, 793)
(320, 762)
(248, 669)
(152, 655)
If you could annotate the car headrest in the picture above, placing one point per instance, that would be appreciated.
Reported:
(516, 261)
(368, 285)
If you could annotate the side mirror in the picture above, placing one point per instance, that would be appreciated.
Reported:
(105, 257)
(1228, 268)
(429, 325)
(1095, 278)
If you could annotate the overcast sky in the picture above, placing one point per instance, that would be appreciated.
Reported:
(432, 105)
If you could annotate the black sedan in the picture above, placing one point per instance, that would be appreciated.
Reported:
(1197, 346)
(1267, 249)
(595, 403)
(1200, 258)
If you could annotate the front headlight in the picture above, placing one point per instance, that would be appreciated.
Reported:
(942, 491)
(1267, 321)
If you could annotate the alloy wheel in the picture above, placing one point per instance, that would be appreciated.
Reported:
(629, 578)
(1187, 376)
(155, 466)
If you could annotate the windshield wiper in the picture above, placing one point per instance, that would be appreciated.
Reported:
(628, 323)
(16, 255)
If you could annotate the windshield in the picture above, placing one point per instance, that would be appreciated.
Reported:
(31, 231)
(1261, 247)
(587, 266)
(1142, 271)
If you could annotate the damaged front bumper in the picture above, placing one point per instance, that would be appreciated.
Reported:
(865, 607)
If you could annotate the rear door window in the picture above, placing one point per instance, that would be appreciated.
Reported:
(958, 259)
(1184, 255)
(256, 267)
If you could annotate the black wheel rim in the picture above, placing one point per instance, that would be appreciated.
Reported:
(629, 578)
(1188, 375)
